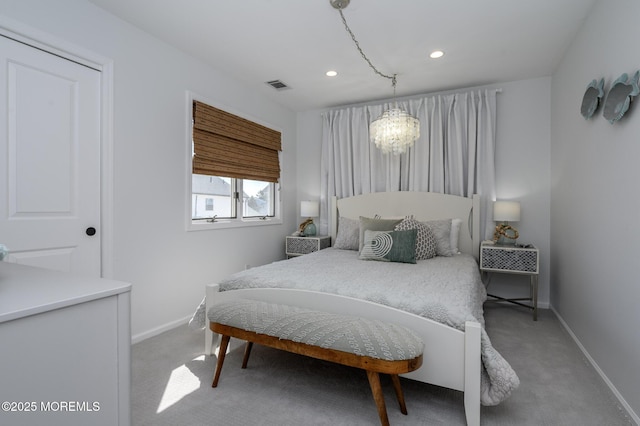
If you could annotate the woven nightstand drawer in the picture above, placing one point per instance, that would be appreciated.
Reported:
(304, 245)
(508, 259)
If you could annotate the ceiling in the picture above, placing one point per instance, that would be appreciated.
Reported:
(297, 41)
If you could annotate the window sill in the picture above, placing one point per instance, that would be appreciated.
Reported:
(203, 225)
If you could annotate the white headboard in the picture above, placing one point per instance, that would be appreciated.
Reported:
(422, 205)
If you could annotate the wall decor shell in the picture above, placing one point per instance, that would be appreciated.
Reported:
(619, 97)
(591, 99)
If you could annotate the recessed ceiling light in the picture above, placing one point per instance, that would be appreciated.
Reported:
(436, 54)
(331, 73)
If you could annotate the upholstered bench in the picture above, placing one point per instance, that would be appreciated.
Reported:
(371, 345)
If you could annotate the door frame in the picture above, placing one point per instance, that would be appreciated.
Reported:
(38, 39)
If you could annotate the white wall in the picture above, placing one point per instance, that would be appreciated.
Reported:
(522, 169)
(522, 174)
(595, 202)
(167, 266)
(592, 165)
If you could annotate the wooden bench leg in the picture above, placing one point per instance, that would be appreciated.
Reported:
(221, 354)
(339, 357)
(247, 352)
(399, 394)
(378, 396)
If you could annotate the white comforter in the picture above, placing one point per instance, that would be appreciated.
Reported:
(444, 289)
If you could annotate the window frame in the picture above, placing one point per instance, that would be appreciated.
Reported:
(225, 223)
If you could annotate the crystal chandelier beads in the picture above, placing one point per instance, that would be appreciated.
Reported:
(394, 131)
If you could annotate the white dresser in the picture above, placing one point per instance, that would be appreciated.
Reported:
(65, 348)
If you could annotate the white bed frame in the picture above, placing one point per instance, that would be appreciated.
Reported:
(452, 357)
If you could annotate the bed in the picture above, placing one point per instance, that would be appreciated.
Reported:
(440, 298)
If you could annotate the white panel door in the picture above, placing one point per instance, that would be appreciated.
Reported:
(49, 160)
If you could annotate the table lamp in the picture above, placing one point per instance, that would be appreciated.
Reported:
(505, 212)
(309, 209)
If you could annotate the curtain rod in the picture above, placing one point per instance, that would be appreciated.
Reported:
(497, 90)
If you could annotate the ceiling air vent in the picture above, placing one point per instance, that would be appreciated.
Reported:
(278, 85)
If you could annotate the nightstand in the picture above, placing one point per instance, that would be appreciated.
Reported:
(297, 246)
(512, 259)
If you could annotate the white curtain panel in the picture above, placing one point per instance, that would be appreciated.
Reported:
(454, 154)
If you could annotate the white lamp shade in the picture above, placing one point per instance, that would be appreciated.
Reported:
(506, 211)
(309, 209)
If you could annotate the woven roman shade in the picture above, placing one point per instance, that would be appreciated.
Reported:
(231, 146)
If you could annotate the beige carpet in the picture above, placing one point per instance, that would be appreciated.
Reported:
(172, 384)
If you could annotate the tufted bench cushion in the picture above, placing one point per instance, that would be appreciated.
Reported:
(372, 345)
(372, 338)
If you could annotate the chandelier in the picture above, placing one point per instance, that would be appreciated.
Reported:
(395, 130)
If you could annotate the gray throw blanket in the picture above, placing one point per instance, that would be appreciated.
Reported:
(445, 289)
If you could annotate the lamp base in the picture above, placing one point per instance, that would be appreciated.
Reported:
(505, 234)
(309, 230)
(505, 241)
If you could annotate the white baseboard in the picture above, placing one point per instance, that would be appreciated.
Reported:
(632, 414)
(155, 331)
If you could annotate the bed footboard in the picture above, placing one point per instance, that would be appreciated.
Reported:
(452, 357)
(472, 371)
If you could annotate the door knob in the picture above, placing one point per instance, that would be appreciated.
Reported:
(91, 231)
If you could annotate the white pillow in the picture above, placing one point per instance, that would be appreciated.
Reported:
(348, 237)
(442, 232)
(455, 234)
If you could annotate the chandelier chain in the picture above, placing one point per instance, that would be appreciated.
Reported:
(353, 37)
(395, 130)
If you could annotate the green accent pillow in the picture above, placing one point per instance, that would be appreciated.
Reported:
(390, 246)
(367, 223)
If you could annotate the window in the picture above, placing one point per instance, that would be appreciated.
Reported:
(211, 196)
(258, 198)
(215, 196)
(235, 168)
